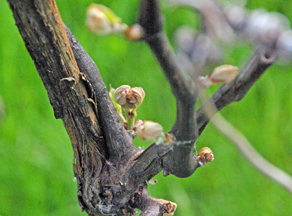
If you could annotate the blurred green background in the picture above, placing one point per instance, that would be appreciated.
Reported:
(36, 158)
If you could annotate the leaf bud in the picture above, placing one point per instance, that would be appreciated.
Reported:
(134, 32)
(120, 94)
(103, 21)
(221, 74)
(205, 156)
(168, 206)
(129, 98)
(149, 130)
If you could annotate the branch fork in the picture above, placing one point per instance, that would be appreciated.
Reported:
(111, 172)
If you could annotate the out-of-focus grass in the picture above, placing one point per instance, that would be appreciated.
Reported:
(35, 152)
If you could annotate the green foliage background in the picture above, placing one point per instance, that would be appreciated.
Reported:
(36, 158)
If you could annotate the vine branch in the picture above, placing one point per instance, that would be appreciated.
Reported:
(181, 162)
(111, 172)
(234, 91)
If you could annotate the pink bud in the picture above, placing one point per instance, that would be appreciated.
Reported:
(223, 74)
(138, 95)
(138, 123)
(120, 94)
(129, 98)
(134, 32)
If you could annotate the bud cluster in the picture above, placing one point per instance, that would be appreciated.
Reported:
(129, 99)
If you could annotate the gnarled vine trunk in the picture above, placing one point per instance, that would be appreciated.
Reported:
(111, 172)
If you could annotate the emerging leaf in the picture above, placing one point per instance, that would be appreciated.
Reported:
(103, 21)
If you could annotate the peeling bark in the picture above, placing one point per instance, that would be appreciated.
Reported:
(111, 172)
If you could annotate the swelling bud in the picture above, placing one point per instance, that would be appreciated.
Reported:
(150, 130)
(103, 21)
(129, 98)
(222, 74)
(134, 32)
(205, 156)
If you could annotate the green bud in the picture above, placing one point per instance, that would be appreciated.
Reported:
(103, 21)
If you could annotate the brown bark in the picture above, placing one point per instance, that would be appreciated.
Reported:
(104, 152)
(111, 172)
(98, 139)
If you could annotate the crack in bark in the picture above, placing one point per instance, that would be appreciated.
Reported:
(111, 172)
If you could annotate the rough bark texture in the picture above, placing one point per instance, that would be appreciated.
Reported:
(104, 153)
(111, 172)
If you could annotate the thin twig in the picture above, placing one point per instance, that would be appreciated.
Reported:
(182, 161)
(247, 149)
(183, 88)
(214, 20)
(234, 91)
